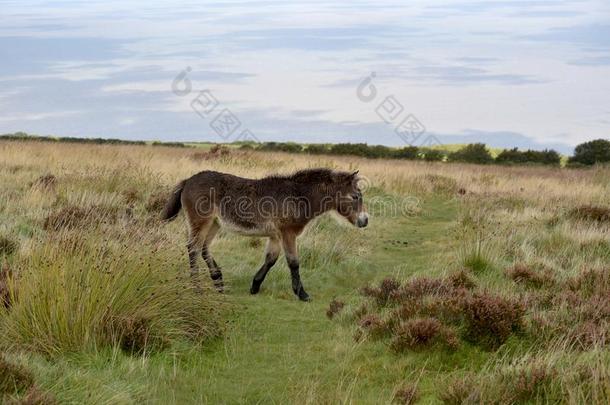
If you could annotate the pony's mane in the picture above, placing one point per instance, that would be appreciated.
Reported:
(320, 175)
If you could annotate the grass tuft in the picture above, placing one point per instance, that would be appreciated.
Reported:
(72, 300)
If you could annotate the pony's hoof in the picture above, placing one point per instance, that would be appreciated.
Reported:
(255, 288)
(303, 296)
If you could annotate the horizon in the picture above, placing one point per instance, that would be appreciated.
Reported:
(535, 75)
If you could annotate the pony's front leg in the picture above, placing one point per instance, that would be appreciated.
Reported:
(290, 250)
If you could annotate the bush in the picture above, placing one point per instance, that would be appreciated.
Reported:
(515, 156)
(590, 153)
(473, 153)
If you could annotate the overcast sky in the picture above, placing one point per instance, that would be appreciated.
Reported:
(522, 73)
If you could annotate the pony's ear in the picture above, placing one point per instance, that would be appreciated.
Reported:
(353, 175)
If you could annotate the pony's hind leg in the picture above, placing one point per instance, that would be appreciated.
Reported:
(215, 270)
(272, 252)
(197, 231)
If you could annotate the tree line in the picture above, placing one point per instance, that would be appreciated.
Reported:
(585, 154)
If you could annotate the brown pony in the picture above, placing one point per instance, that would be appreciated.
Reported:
(278, 207)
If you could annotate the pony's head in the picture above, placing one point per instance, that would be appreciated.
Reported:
(350, 202)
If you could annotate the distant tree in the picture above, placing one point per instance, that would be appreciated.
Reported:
(289, 147)
(472, 153)
(590, 153)
(515, 156)
(407, 152)
(316, 149)
(510, 156)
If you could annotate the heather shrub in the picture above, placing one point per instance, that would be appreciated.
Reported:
(425, 311)
(7, 291)
(45, 182)
(461, 279)
(407, 395)
(14, 378)
(374, 325)
(8, 246)
(71, 217)
(33, 396)
(421, 333)
(491, 319)
(334, 308)
(579, 314)
(590, 213)
(384, 292)
(526, 275)
(460, 391)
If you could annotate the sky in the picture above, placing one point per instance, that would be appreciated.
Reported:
(531, 74)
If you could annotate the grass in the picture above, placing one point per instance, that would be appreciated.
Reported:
(532, 243)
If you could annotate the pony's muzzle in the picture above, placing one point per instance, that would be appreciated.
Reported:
(363, 220)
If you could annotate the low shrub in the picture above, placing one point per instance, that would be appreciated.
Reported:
(591, 213)
(383, 293)
(72, 216)
(526, 275)
(426, 311)
(421, 333)
(156, 202)
(34, 396)
(6, 296)
(491, 319)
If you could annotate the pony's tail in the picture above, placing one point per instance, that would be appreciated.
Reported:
(173, 205)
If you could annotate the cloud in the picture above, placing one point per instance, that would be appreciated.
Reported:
(465, 75)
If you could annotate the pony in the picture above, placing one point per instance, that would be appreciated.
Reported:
(277, 207)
